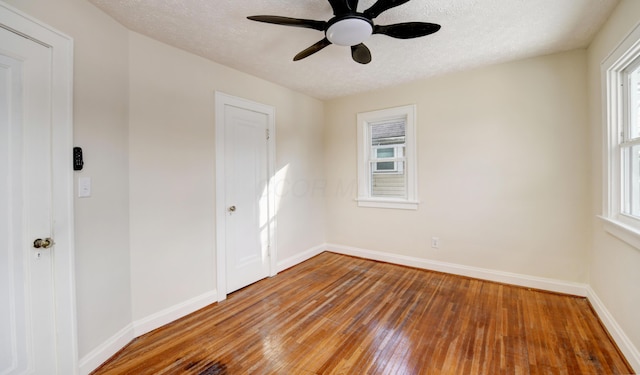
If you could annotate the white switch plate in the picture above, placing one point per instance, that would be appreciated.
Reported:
(84, 187)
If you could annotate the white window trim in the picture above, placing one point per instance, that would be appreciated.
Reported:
(616, 223)
(365, 199)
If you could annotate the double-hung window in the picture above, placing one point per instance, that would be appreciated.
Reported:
(387, 158)
(630, 140)
(621, 83)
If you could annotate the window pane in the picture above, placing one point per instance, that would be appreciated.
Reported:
(387, 142)
(389, 185)
(385, 166)
(634, 102)
(387, 133)
(386, 152)
(631, 169)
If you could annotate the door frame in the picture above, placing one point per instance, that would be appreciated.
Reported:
(62, 176)
(222, 100)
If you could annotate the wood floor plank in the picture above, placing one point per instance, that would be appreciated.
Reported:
(335, 314)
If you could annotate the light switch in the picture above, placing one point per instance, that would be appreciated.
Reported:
(84, 187)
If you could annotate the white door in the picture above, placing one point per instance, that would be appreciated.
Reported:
(27, 319)
(246, 196)
(244, 203)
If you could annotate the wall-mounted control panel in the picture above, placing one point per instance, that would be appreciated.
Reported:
(78, 162)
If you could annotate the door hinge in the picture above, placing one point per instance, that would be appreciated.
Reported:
(268, 134)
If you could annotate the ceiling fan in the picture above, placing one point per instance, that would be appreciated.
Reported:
(349, 27)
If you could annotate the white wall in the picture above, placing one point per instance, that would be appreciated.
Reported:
(614, 266)
(503, 169)
(100, 128)
(172, 165)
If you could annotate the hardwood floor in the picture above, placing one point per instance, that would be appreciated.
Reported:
(335, 314)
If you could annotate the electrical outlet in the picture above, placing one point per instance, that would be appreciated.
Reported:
(435, 242)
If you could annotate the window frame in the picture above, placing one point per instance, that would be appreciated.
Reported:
(616, 111)
(364, 120)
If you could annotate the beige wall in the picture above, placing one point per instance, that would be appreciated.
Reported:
(503, 171)
(100, 128)
(614, 266)
(172, 164)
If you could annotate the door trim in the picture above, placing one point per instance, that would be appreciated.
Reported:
(222, 100)
(62, 176)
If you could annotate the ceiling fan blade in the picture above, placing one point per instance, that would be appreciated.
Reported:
(287, 21)
(340, 7)
(381, 6)
(361, 54)
(353, 5)
(313, 49)
(407, 30)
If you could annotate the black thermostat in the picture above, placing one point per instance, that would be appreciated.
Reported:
(77, 159)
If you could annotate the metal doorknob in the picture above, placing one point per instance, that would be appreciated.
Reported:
(43, 243)
(232, 209)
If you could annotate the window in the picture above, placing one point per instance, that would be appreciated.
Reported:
(621, 74)
(387, 158)
(630, 140)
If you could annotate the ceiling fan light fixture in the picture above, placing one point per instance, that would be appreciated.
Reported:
(351, 28)
(349, 31)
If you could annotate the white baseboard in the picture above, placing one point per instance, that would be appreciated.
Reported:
(299, 258)
(139, 327)
(99, 355)
(170, 314)
(527, 281)
(627, 348)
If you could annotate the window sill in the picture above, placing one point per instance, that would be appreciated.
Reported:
(623, 232)
(399, 204)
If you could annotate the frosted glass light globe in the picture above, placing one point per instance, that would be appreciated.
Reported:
(349, 31)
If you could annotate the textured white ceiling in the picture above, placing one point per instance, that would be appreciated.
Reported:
(474, 33)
